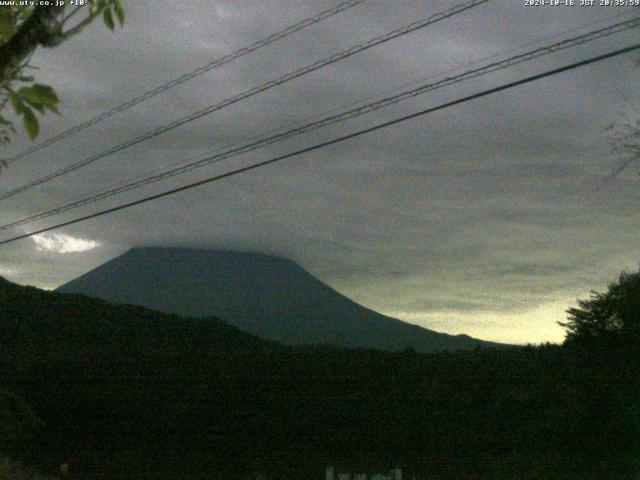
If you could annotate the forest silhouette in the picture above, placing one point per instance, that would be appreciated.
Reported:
(126, 392)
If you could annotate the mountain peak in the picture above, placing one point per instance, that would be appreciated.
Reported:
(182, 253)
(269, 296)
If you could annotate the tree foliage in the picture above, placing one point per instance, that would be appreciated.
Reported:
(613, 316)
(129, 393)
(22, 30)
(624, 135)
(625, 139)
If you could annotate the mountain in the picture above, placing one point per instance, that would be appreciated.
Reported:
(121, 391)
(52, 326)
(268, 296)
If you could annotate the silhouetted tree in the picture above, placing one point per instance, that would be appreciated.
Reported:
(606, 331)
(613, 316)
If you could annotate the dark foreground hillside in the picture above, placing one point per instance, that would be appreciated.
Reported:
(43, 325)
(10, 470)
(125, 392)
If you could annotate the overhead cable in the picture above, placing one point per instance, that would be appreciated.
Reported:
(334, 141)
(189, 76)
(412, 27)
(332, 119)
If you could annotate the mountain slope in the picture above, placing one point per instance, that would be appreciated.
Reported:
(267, 296)
(126, 392)
(48, 325)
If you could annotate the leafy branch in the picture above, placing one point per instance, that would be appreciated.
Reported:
(22, 30)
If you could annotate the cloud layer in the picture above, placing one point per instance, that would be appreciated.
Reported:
(483, 218)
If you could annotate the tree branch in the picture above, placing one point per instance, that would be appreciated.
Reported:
(40, 28)
(68, 17)
(79, 27)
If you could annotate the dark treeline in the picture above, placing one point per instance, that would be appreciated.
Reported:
(125, 392)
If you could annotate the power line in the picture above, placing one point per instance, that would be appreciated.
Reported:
(254, 91)
(334, 141)
(332, 119)
(617, 28)
(191, 75)
(353, 104)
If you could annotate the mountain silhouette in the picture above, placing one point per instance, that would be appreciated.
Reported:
(38, 324)
(268, 296)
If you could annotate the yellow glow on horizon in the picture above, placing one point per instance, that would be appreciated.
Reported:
(538, 325)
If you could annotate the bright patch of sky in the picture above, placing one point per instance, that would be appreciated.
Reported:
(61, 243)
(535, 325)
(7, 270)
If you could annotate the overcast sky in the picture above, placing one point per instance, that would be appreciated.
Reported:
(482, 219)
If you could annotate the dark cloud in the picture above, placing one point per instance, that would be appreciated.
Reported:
(483, 218)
